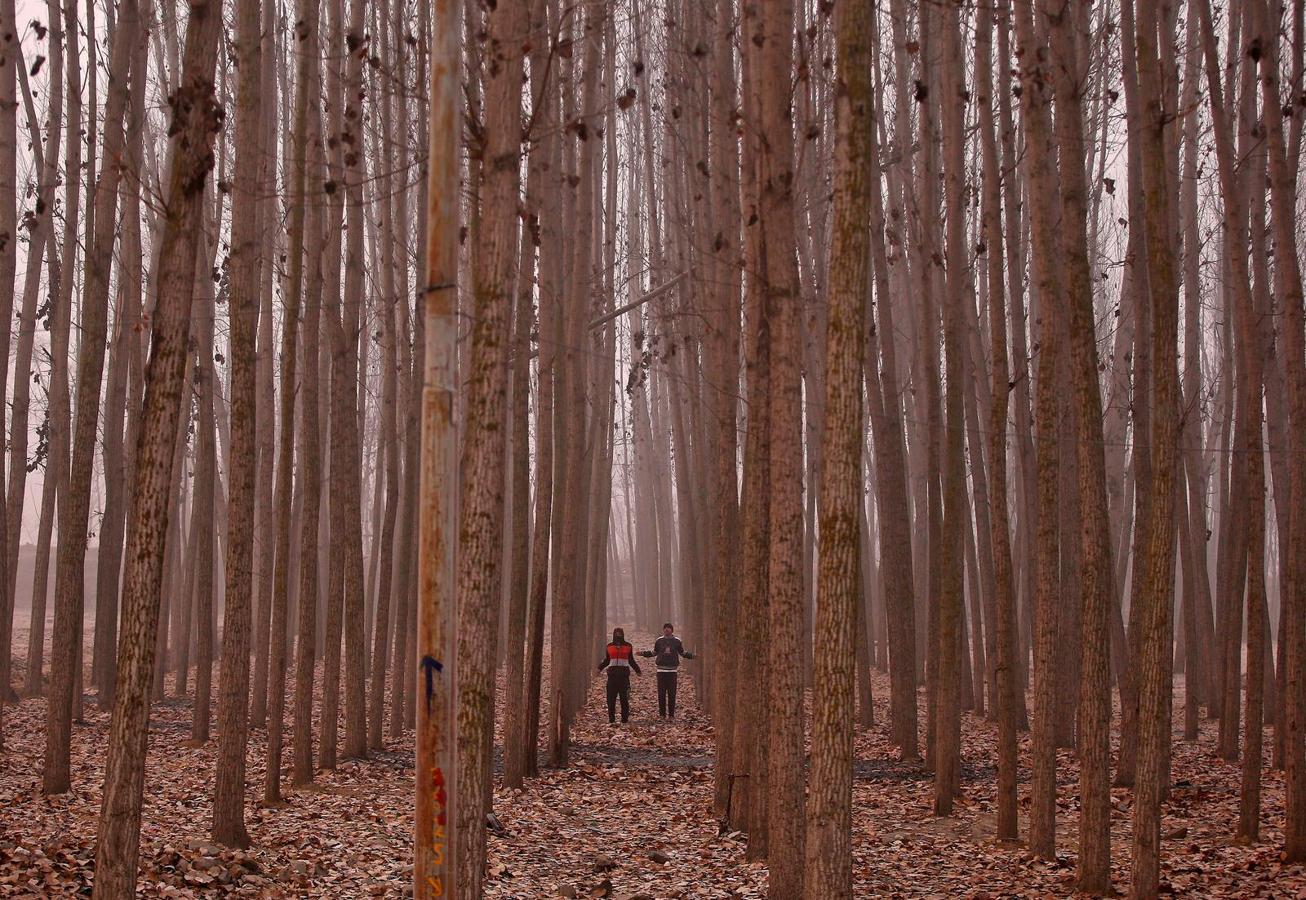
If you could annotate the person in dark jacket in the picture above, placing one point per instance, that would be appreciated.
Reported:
(619, 659)
(667, 651)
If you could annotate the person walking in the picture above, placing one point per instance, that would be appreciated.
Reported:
(619, 659)
(667, 651)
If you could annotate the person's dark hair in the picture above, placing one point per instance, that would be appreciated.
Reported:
(618, 633)
(668, 625)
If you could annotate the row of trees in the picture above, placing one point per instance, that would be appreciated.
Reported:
(246, 217)
(776, 318)
(1042, 475)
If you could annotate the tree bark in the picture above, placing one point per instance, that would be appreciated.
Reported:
(480, 550)
(1035, 86)
(1006, 675)
(1282, 189)
(785, 776)
(233, 683)
(197, 119)
(1094, 533)
(202, 535)
(829, 865)
(951, 621)
(1155, 642)
(891, 487)
(74, 508)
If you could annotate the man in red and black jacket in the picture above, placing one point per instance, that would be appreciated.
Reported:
(619, 659)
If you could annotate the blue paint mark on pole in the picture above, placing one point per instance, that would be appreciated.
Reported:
(430, 666)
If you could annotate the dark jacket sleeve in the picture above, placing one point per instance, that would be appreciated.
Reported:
(634, 665)
(604, 664)
(680, 648)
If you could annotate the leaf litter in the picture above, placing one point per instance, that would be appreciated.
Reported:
(630, 819)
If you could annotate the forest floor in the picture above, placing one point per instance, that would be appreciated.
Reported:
(631, 817)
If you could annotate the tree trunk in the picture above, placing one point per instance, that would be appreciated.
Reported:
(829, 865)
(951, 633)
(265, 524)
(521, 705)
(202, 534)
(891, 487)
(752, 694)
(480, 550)
(233, 705)
(785, 776)
(58, 415)
(1282, 188)
(1155, 642)
(723, 355)
(302, 769)
(42, 235)
(1006, 675)
(65, 657)
(1094, 549)
(307, 627)
(1035, 88)
(197, 119)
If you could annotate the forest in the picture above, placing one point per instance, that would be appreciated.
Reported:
(912, 393)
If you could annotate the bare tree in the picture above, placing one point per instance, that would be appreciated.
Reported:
(1094, 550)
(313, 237)
(951, 613)
(1155, 642)
(785, 777)
(197, 118)
(1005, 669)
(753, 717)
(479, 581)
(74, 510)
(233, 709)
(829, 864)
(1283, 177)
(1040, 172)
(346, 460)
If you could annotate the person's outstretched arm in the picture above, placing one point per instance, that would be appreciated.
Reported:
(681, 649)
(604, 664)
(634, 665)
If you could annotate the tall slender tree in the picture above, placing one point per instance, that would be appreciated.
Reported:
(829, 864)
(1155, 642)
(1005, 668)
(233, 709)
(197, 119)
(785, 775)
(75, 505)
(480, 556)
(1283, 178)
(1035, 101)
(1094, 551)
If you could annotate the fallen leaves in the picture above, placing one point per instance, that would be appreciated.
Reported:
(631, 819)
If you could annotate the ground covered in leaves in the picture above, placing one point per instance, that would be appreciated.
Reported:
(629, 818)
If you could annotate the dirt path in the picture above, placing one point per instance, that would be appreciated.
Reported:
(630, 818)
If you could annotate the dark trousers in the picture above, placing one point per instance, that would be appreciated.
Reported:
(667, 694)
(619, 687)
